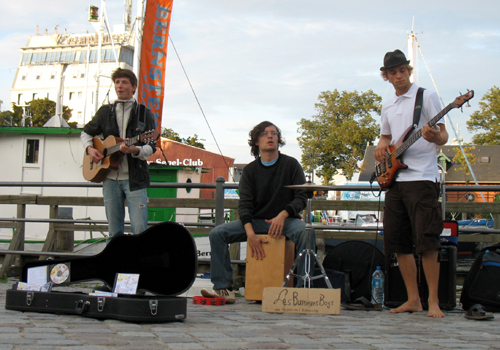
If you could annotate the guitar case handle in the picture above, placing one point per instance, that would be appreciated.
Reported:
(82, 307)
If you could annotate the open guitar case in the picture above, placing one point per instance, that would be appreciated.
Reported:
(164, 256)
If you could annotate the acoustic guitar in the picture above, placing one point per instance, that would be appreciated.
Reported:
(164, 256)
(110, 149)
(387, 171)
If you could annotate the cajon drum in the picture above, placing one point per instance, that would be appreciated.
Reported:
(270, 271)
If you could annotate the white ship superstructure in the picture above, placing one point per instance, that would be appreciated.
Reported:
(47, 58)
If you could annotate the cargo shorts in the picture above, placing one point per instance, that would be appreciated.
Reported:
(413, 218)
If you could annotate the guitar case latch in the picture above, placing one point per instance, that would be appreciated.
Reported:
(153, 306)
(29, 298)
(100, 304)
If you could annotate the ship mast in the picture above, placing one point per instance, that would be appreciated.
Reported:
(99, 47)
(138, 40)
(413, 45)
(412, 53)
(127, 16)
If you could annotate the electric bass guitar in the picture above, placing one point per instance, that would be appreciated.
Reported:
(110, 149)
(387, 171)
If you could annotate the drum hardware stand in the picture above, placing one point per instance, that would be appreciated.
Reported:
(310, 257)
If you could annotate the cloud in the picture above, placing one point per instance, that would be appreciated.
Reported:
(252, 61)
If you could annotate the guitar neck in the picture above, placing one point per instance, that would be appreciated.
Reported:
(116, 148)
(414, 137)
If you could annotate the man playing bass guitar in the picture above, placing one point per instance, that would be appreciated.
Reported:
(124, 119)
(412, 214)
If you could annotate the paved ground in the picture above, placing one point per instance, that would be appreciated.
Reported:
(244, 326)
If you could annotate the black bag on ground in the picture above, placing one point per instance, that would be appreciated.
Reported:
(482, 284)
(357, 260)
(337, 280)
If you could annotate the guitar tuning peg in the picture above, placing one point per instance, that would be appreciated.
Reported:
(462, 106)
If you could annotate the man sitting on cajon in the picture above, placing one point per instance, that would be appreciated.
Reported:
(265, 205)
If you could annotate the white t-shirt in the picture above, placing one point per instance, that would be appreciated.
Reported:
(397, 118)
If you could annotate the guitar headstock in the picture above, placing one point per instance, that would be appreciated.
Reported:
(148, 136)
(460, 100)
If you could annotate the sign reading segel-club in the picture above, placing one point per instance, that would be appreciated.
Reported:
(178, 162)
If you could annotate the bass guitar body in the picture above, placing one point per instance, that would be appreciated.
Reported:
(386, 172)
(98, 172)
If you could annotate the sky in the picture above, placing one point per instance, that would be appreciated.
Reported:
(250, 61)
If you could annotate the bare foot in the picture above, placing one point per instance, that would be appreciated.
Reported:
(435, 311)
(408, 307)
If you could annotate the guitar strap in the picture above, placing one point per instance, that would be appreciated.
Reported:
(417, 110)
(141, 114)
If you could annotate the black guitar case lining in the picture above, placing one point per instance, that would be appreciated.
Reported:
(165, 258)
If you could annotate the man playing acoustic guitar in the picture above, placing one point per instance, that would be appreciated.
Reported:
(124, 119)
(412, 214)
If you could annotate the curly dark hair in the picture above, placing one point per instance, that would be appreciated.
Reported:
(124, 73)
(254, 137)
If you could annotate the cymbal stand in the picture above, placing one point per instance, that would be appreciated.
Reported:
(310, 257)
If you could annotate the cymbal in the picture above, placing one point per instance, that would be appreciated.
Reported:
(310, 187)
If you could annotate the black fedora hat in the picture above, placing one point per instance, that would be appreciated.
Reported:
(394, 59)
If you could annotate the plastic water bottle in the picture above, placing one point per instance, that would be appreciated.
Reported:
(378, 286)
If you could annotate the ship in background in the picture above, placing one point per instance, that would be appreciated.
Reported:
(75, 69)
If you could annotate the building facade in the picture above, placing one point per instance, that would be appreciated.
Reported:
(68, 65)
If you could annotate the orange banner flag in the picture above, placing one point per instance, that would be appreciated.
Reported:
(154, 56)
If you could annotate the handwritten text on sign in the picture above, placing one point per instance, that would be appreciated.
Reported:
(301, 300)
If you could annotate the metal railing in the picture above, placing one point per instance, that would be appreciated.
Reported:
(219, 204)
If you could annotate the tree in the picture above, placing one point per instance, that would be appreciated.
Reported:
(460, 159)
(487, 118)
(12, 118)
(42, 110)
(170, 134)
(38, 112)
(193, 141)
(338, 135)
(7, 118)
(18, 114)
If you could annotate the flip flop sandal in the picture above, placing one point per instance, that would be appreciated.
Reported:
(477, 312)
(362, 304)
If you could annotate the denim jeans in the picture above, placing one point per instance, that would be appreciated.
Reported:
(115, 192)
(221, 236)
